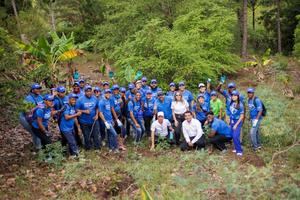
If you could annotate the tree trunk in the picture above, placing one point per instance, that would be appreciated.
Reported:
(278, 27)
(253, 16)
(13, 3)
(52, 16)
(245, 33)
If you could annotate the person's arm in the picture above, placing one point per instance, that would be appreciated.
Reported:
(208, 87)
(152, 141)
(114, 113)
(259, 108)
(199, 132)
(134, 120)
(79, 108)
(221, 109)
(40, 124)
(239, 121)
(68, 117)
(173, 114)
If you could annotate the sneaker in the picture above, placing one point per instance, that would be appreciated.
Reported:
(233, 151)
(239, 154)
(74, 157)
(103, 143)
(110, 151)
(116, 151)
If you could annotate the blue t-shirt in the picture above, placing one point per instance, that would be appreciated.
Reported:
(80, 94)
(227, 96)
(221, 127)
(129, 94)
(235, 113)
(34, 99)
(254, 110)
(85, 103)
(145, 88)
(154, 91)
(59, 102)
(149, 107)
(44, 113)
(67, 125)
(170, 94)
(188, 96)
(165, 107)
(117, 103)
(135, 107)
(105, 106)
(206, 97)
(201, 114)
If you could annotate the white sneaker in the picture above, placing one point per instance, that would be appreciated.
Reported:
(239, 154)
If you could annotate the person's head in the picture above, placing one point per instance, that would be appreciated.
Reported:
(61, 91)
(160, 117)
(81, 83)
(116, 89)
(149, 94)
(97, 91)
(144, 81)
(213, 95)
(172, 86)
(250, 93)
(107, 93)
(160, 95)
(72, 99)
(48, 100)
(231, 87)
(105, 85)
(138, 96)
(178, 96)
(181, 86)
(138, 84)
(99, 84)
(36, 89)
(202, 87)
(153, 83)
(210, 116)
(188, 115)
(201, 98)
(88, 91)
(131, 87)
(76, 87)
(235, 95)
(123, 91)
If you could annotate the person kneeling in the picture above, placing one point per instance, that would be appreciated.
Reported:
(160, 129)
(220, 132)
(192, 132)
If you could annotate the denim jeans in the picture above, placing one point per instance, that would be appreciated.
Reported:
(36, 140)
(112, 137)
(138, 131)
(89, 135)
(102, 129)
(70, 137)
(254, 135)
(236, 135)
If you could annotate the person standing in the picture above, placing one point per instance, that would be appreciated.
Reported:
(187, 95)
(149, 102)
(153, 87)
(200, 108)
(216, 105)
(145, 87)
(163, 104)
(205, 91)
(171, 92)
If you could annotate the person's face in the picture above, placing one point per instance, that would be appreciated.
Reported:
(88, 93)
(161, 97)
(182, 87)
(105, 86)
(234, 97)
(202, 89)
(97, 93)
(107, 95)
(178, 96)
(72, 101)
(48, 103)
(213, 97)
(122, 94)
(250, 95)
(61, 94)
(116, 91)
(153, 85)
(160, 119)
(138, 85)
(144, 83)
(37, 91)
(210, 118)
(172, 88)
(201, 100)
(76, 88)
(81, 84)
(231, 89)
(149, 96)
(138, 96)
(188, 117)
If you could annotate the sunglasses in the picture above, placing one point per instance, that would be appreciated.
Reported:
(178, 95)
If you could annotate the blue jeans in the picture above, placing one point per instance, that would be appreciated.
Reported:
(112, 137)
(36, 140)
(236, 135)
(70, 137)
(88, 134)
(138, 131)
(102, 129)
(254, 135)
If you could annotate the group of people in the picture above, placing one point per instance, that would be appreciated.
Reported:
(110, 114)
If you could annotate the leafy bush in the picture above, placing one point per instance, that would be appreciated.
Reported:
(53, 154)
(297, 39)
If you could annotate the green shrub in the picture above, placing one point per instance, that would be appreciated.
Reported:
(53, 154)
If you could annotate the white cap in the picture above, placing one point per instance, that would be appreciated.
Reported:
(160, 114)
(201, 85)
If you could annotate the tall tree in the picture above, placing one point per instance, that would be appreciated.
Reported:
(245, 27)
(13, 3)
(278, 26)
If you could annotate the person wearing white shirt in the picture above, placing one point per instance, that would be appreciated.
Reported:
(192, 132)
(161, 128)
(179, 106)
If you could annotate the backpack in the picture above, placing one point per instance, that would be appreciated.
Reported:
(30, 117)
(264, 109)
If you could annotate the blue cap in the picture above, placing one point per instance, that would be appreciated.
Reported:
(61, 89)
(148, 92)
(181, 83)
(213, 93)
(122, 89)
(72, 95)
(200, 95)
(160, 93)
(36, 86)
(250, 90)
(235, 93)
(172, 84)
(131, 86)
(231, 85)
(153, 81)
(87, 87)
(144, 78)
(107, 91)
(81, 81)
(76, 84)
(97, 89)
(105, 83)
(49, 97)
(115, 87)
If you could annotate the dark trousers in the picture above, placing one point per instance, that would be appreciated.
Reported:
(219, 141)
(197, 145)
(91, 133)
(178, 129)
(147, 121)
(70, 137)
(120, 130)
(43, 137)
(77, 137)
(102, 129)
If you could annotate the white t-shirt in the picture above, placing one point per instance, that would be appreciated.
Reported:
(160, 129)
(179, 107)
(192, 129)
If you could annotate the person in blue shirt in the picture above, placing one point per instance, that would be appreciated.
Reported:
(34, 98)
(205, 91)
(117, 106)
(153, 87)
(145, 87)
(187, 95)
(236, 114)
(81, 85)
(172, 90)
(97, 93)
(200, 109)
(135, 116)
(88, 120)
(138, 87)
(105, 85)
(76, 90)
(130, 93)
(68, 122)
(149, 102)
(255, 106)
(41, 116)
(163, 104)
(105, 113)
(220, 132)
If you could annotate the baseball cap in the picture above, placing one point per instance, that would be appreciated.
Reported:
(160, 114)
(213, 93)
(160, 93)
(153, 81)
(148, 92)
(115, 87)
(144, 79)
(49, 97)
(97, 89)
(250, 90)
(200, 95)
(105, 83)
(87, 87)
(131, 86)
(231, 85)
(181, 83)
(76, 84)
(235, 93)
(61, 89)
(122, 89)
(107, 91)
(172, 84)
(81, 81)
(201, 85)
(72, 95)
(139, 81)
(36, 86)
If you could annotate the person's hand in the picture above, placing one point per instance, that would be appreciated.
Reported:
(152, 148)
(153, 119)
(254, 123)
(107, 125)
(79, 131)
(235, 127)
(208, 80)
(190, 144)
(137, 125)
(119, 123)
(88, 112)
(79, 113)
(176, 123)
(95, 118)
(206, 122)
